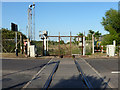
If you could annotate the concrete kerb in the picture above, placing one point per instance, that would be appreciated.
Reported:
(28, 58)
(97, 73)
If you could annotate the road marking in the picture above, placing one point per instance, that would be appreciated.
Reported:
(96, 71)
(116, 72)
(26, 85)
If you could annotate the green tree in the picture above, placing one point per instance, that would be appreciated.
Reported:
(97, 34)
(61, 42)
(79, 34)
(89, 36)
(111, 23)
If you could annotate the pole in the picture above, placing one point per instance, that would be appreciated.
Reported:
(31, 24)
(47, 44)
(43, 46)
(33, 20)
(20, 43)
(70, 45)
(16, 40)
(92, 43)
(59, 44)
(16, 45)
(26, 31)
(82, 45)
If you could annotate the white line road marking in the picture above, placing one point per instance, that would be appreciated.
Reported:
(116, 72)
(26, 85)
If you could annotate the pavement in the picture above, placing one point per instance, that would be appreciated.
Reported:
(67, 75)
(17, 72)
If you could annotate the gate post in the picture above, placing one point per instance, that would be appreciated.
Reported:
(93, 43)
(59, 44)
(84, 45)
(70, 45)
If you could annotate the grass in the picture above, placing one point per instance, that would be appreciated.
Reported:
(12, 55)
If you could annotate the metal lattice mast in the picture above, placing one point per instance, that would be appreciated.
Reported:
(33, 20)
(30, 22)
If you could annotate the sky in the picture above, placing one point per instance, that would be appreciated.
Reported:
(58, 17)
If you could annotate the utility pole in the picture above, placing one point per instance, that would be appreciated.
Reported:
(93, 43)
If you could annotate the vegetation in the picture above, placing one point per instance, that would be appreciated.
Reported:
(91, 32)
(8, 40)
(111, 23)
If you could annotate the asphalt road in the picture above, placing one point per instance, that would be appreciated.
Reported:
(105, 67)
(17, 72)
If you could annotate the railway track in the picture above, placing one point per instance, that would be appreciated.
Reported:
(47, 84)
(50, 78)
(84, 79)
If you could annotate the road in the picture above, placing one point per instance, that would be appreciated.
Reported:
(105, 67)
(17, 72)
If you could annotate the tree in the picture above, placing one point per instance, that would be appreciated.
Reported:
(79, 34)
(61, 42)
(89, 36)
(97, 34)
(111, 23)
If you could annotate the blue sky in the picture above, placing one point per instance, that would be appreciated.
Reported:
(58, 17)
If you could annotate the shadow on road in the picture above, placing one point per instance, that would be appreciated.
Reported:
(71, 83)
(29, 69)
(24, 82)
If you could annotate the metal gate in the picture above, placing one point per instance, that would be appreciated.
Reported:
(65, 45)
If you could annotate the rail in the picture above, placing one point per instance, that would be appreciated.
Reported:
(47, 84)
(85, 80)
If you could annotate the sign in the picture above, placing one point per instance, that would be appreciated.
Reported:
(14, 27)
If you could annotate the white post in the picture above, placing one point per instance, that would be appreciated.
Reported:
(83, 45)
(28, 47)
(45, 46)
(16, 40)
(114, 43)
(92, 43)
